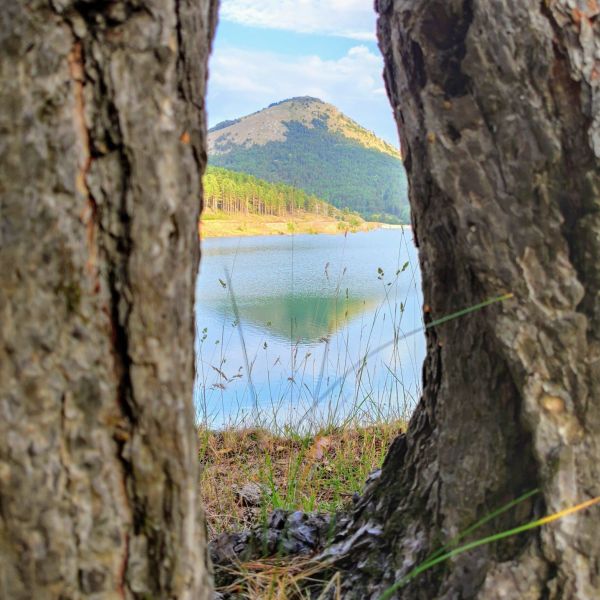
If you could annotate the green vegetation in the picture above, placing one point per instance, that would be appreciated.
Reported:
(329, 165)
(402, 219)
(233, 192)
(320, 472)
(240, 204)
(293, 577)
(309, 472)
(311, 145)
(446, 553)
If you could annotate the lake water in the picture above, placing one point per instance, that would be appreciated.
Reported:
(307, 329)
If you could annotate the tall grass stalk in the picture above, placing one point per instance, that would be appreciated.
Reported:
(364, 380)
(440, 558)
(370, 392)
(238, 321)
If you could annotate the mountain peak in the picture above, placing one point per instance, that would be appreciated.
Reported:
(271, 124)
(301, 99)
(310, 144)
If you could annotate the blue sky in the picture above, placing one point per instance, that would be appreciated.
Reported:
(269, 50)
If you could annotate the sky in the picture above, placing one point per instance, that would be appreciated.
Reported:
(269, 50)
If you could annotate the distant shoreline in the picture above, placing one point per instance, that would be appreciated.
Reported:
(240, 225)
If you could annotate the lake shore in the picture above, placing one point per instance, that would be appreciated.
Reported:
(235, 225)
(328, 287)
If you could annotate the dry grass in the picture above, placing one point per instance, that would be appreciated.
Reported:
(310, 473)
(227, 225)
(280, 579)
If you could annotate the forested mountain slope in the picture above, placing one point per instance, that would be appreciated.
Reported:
(310, 144)
(235, 192)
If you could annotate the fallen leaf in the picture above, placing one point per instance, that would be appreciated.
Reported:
(224, 451)
(319, 447)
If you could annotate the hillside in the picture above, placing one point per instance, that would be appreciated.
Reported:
(310, 144)
(240, 204)
(234, 192)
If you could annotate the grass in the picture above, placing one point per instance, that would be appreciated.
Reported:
(221, 224)
(446, 554)
(319, 467)
(312, 366)
(296, 578)
(319, 472)
(280, 579)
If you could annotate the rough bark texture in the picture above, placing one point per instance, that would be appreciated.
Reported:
(498, 107)
(102, 147)
(284, 533)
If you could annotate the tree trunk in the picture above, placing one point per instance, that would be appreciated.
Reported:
(103, 136)
(498, 108)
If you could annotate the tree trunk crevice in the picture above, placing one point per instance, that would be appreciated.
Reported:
(103, 115)
(103, 125)
(497, 113)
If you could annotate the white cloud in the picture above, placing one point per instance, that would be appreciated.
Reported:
(241, 82)
(353, 19)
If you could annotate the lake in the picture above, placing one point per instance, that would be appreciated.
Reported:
(306, 330)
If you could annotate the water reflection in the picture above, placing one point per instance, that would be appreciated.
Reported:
(304, 318)
(311, 309)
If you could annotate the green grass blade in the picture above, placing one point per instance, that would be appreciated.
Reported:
(482, 542)
(238, 321)
(440, 321)
(486, 519)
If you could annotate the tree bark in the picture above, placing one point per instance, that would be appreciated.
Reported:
(103, 136)
(498, 108)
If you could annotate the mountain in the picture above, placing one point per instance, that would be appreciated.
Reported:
(310, 144)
